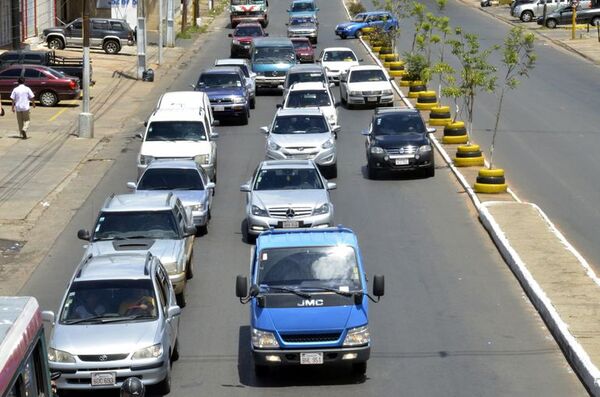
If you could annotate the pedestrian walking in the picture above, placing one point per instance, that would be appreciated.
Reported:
(21, 97)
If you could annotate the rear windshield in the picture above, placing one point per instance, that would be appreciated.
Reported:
(305, 6)
(275, 54)
(304, 99)
(288, 179)
(176, 131)
(216, 80)
(170, 179)
(243, 67)
(367, 75)
(136, 224)
(305, 77)
(339, 56)
(300, 125)
(248, 31)
(301, 44)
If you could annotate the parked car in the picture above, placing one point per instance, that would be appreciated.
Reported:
(271, 59)
(48, 85)
(313, 95)
(304, 73)
(118, 318)
(528, 12)
(249, 75)
(337, 60)
(302, 134)
(228, 93)
(303, 27)
(304, 49)
(515, 3)
(109, 34)
(187, 180)
(242, 36)
(379, 19)
(366, 85)
(564, 16)
(68, 66)
(303, 8)
(153, 222)
(397, 140)
(287, 194)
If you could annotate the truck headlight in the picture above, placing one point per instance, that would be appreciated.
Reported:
(272, 145)
(263, 339)
(202, 159)
(354, 93)
(145, 159)
(256, 210)
(425, 149)
(387, 92)
(328, 144)
(358, 336)
(197, 207)
(153, 351)
(239, 100)
(59, 356)
(323, 209)
(376, 150)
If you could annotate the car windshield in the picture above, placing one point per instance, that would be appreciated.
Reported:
(301, 21)
(136, 224)
(301, 44)
(248, 31)
(109, 301)
(274, 55)
(303, 99)
(367, 75)
(339, 56)
(238, 2)
(309, 267)
(176, 131)
(304, 6)
(399, 124)
(170, 179)
(288, 179)
(302, 124)
(305, 77)
(359, 18)
(220, 80)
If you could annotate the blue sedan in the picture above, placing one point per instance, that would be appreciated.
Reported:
(376, 19)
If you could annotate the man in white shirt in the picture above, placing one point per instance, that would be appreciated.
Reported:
(21, 97)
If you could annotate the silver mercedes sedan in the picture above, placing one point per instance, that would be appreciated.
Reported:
(287, 194)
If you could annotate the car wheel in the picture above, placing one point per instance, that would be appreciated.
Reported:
(358, 34)
(332, 171)
(343, 36)
(344, 102)
(595, 21)
(359, 369)
(551, 23)
(526, 16)
(164, 387)
(430, 171)
(175, 354)
(181, 302)
(261, 370)
(252, 103)
(203, 230)
(372, 173)
(189, 274)
(48, 98)
(111, 47)
(56, 43)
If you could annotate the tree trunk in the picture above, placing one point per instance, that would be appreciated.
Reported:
(496, 128)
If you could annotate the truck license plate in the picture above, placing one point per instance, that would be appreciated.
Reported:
(219, 108)
(104, 378)
(311, 358)
(372, 99)
(291, 224)
(401, 161)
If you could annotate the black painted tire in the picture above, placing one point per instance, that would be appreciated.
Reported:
(475, 153)
(491, 180)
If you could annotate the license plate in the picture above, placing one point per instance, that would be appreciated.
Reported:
(219, 108)
(311, 358)
(374, 99)
(290, 224)
(401, 161)
(104, 378)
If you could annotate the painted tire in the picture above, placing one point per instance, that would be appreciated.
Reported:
(468, 161)
(468, 148)
(486, 188)
(396, 65)
(455, 140)
(491, 180)
(485, 172)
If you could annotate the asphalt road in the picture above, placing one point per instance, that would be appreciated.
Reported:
(454, 321)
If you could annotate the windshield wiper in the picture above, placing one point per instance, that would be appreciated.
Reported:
(129, 318)
(287, 289)
(96, 319)
(337, 291)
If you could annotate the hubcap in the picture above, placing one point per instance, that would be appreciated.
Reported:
(47, 98)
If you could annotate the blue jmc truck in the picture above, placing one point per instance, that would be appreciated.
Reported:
(308, 297)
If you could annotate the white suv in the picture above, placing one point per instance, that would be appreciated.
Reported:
(313, 95)
(369, 85)
(178, 134)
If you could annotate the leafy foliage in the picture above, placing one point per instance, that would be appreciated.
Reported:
(356, 7)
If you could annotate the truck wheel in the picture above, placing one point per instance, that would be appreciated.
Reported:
(111, 47)
(261, 370)
(359, 369)
(526, 16)
(48, 98)
(181, 299)
(56, 43)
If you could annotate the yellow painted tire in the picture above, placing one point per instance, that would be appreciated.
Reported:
(454, 140)
(468, 148)
(396, 65)
(391, 57)
(376, 49)
(440, 122)
(457, 124)
(416, 82)
(490, 188)
(386, 50)
(413, 94)
(468, 161)
(386, 65)
(403, 83)
(397, 73)
(367, 30)
(381, 56)
(427, 94)
(495, 172)
(440, 109)
(425, 106)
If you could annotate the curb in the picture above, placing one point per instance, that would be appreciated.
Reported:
(573, 351)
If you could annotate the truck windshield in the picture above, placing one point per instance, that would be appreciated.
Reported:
(274, 54)
(176, 131)
(136, 224)
(302, 124)
(170, 179)
(109, 301)
(309, 267)
(288, 179)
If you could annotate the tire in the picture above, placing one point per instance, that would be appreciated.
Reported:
(164, 387)
(332, 171)
(430, 171)
(190, 271)
(48, 98)
(203, 230)
(343, 36)
(344, 102)
(526, 16)
(358, 34)
(56, 43)
(372, 173)
(244, 118)
(261, 370)
(181, 302)
(111, 47)
(551, 23)
(252, 103)
(359, 369)
(595, 21)
(175, 354)
(491, 180)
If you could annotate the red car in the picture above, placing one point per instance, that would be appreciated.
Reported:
(242, 38)
(48, 85)
(304, 49)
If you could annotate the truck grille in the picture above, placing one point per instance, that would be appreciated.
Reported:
(308, 338)
(402, 150)
(285, 212)
(221, 101)
(371, 92)
(102, 357)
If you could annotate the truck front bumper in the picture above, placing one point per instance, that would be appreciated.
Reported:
(330, 355)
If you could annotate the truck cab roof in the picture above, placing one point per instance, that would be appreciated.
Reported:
(278, 238)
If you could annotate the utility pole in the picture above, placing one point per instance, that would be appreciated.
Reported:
(141, 39)
(184, 5)
(16, 24)
(574, 19)
(160, 31)
(170, 24)
(86, 119)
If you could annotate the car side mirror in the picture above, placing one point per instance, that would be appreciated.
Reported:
(190, 230)
(431, 130)
(83, 234)
(252, 75)
(214, 135)
(365, 132)
(318, 61)
(287, 24)
(193, 86)
(336, 129)
(317, 9)
(265, 129)
(173, 311)
(230, 35)
(210, 185)
(245, 188)
(138, 136)
(331, 85)
(378, 285)
(337, 104)
(146, 123)
(266, 34)
(331, 185)
(278, 105)
(361, 60)
(241, 287)
(48, 316)
(132, 185)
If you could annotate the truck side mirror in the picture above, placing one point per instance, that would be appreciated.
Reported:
(83, 234)
(189, 230)
(48, 316)
(378, 285)
(241, 287)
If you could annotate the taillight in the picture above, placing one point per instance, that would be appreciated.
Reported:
(72, 84)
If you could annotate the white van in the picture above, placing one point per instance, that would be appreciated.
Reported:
(186, 99)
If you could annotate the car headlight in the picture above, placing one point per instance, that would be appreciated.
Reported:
(197, 207)
(425, 149)
(59, 356)
(328, 144)
(239, 100)
(272, 145)
(323, 209)
(376, 150)
(387, 92)
(202, 159)
(236, 42)
(153, 351)
(256, 210)
(263, 339)
(358, 336)
(354, 93)
(145, 160)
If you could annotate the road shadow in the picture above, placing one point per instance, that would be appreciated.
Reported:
(290, 376)
(397, 175)
(268, 92)
(121, 74)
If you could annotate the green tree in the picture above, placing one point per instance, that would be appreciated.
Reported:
(518, 58)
